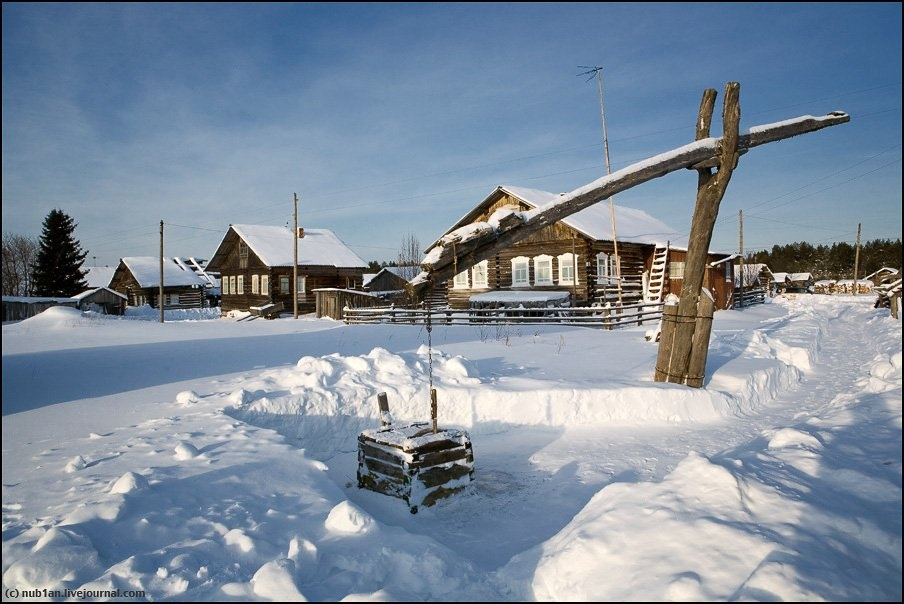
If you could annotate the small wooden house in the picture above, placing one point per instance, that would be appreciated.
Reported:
(138, 279)
(883, 275)
(102, 300)
(388, 279)
(574, 262)
(388, 284)
(256, 266)
(781, 281)
(718, 276)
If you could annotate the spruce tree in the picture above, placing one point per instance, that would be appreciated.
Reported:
(58, 268)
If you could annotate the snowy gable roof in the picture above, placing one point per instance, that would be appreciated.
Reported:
(89, 292)
(319, 247)
(197, 267)
(884, 271)
(595, 221)
(394, 270)
(791, 277)
(146, 270)
(99, 276)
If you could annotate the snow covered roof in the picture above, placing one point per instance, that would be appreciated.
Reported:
(198, 266)
(274, 246)
(89, 292)
(885, 270)
(38, 299)
(99, 276)
(728, 258)
(791, 277)
(779, 277)
(146, 270)
(395, 270)
(596, 221)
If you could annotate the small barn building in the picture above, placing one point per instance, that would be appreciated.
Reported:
(102, 300)
(388, 284)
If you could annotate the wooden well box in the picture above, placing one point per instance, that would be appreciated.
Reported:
(415, 462)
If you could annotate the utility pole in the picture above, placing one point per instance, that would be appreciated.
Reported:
(599, 78)
(857, 259)
(741, 250)
(160, 294)
(295, 260)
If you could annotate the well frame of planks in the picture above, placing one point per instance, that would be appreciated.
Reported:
(417, 462)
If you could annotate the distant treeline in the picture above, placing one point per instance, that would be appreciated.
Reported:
(830, 262)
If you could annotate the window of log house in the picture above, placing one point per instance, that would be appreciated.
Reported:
(543, 270)
(567, 264)
(520, 272)
(243, 254)
(460, 281)
(479, 274)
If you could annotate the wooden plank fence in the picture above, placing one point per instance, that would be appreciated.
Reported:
(602, 316)
(748, 297)
(605, 317)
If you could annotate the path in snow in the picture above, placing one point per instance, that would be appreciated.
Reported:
(541, 477)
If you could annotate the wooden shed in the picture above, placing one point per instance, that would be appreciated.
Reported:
(718, 276)
(330, 302)
(102, 300)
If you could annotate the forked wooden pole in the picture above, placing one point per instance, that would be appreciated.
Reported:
(711, 188)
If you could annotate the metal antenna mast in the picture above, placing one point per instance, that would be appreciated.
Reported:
(597, 73)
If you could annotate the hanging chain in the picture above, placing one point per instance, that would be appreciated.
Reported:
(429, 345)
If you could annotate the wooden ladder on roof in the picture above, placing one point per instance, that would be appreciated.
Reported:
(656, 283)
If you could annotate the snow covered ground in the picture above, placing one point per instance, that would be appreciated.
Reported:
(209, 459)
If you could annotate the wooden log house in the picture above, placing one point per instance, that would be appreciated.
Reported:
(256, 266)
(138, 279)
(572, 262)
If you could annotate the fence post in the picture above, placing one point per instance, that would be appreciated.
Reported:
(383, 404)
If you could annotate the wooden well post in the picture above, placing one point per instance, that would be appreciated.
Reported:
(678, 340)
(685, 328)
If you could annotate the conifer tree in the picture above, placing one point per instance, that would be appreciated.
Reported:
(58, 268)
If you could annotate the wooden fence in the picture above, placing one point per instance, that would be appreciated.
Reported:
(748, 297)
(605, 317)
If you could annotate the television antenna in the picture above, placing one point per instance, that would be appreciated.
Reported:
(596, 72)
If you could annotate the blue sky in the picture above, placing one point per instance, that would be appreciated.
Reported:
(390, 120)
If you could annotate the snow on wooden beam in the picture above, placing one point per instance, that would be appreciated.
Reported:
(476, 242)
